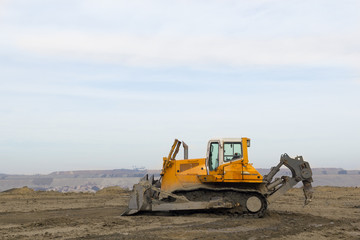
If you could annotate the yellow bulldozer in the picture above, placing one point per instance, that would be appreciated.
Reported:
(223, 181)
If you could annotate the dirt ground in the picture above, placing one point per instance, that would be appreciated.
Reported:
(25, 214)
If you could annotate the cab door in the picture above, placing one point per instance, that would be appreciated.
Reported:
(212, 162)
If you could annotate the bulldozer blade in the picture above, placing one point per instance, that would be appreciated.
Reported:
(140, 198)
(129, 212)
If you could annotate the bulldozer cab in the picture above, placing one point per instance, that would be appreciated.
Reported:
(225, 150)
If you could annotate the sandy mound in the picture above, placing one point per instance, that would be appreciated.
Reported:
(111, 190)
(23, 190)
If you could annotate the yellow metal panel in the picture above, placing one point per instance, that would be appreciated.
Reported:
(177, 178)
(241, 172)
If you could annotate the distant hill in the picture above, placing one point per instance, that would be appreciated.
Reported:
(101, 173)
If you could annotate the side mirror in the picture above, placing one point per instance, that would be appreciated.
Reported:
(248, 143)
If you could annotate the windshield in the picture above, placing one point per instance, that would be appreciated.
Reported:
(232, 151)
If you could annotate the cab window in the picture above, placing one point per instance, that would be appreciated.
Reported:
(214, 156)
(232, 151)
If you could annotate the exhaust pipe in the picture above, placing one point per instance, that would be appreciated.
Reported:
(186, 150)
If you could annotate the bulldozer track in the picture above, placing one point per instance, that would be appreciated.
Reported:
(239, 198)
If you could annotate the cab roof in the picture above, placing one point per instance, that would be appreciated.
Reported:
(228, 139)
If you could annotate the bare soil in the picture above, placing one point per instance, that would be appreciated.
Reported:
(27, 214)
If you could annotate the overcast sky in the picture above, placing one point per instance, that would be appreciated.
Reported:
(110, 84)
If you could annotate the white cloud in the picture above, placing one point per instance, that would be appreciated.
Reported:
(193, 51)
(73, 90)
(187, 33)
